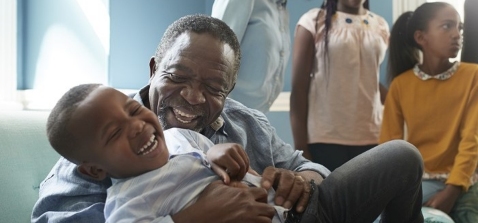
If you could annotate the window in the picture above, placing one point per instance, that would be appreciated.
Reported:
(8, 55)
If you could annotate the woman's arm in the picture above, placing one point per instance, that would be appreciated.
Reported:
(302, 62)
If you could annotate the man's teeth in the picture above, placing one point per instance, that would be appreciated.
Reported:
(147, 148)
(183, 121)
(189, 116)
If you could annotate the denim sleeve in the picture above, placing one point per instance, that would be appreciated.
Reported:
(251, 129)
(285, 156)
(68, 196)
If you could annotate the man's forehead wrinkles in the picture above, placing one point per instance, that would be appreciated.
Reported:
(189, 63)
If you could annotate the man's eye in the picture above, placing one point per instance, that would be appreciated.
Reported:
(216, 91)
(175, 77)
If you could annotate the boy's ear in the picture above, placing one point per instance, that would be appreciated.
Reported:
(92, 171)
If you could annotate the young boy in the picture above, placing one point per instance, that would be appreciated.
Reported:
(108, 134)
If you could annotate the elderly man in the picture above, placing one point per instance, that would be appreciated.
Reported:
(193, 70)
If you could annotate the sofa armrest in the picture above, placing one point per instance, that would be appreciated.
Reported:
(26, 157)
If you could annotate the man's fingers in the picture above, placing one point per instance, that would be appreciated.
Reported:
(303, 198)
(267, 211)
(268, 177)
(286, 183)
(260, 194)
(262, 209)
(298, 195)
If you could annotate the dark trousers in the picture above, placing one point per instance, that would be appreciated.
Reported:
(334, 155)
(384, 180)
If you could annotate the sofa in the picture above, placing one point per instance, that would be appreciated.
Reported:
(26, 157)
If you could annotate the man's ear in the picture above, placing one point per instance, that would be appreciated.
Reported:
(419, 37)
(92, 171)
(232, 88)
(152, 67)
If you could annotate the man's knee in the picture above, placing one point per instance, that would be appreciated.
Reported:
(405, 153)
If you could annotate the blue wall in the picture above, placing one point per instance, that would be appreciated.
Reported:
(385, 9)
(136, 28)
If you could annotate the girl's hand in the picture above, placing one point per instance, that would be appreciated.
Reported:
(445, 199)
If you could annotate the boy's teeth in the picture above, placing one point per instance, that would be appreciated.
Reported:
(151, 140)
(152, 148)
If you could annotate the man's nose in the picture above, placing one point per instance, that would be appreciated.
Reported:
(193, 95)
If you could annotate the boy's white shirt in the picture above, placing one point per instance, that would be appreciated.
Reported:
(179, 142)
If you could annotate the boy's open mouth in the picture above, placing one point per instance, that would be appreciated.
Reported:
(149, 146)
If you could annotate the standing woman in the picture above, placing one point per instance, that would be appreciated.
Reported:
(336, 98)
(437, 101)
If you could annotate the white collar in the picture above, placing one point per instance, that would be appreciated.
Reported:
(443, 76)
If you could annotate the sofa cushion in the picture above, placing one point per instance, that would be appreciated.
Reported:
(26, 157)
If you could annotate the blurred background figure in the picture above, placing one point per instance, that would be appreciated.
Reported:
(469, 52)
(336, 98)
(262, 28)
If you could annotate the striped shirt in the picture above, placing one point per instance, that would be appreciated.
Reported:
(155, 195)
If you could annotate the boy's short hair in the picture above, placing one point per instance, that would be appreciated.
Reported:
(59, 137)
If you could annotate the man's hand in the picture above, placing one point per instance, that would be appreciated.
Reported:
(223, 204)
(291, 188)
(229, 161)
(445, 199)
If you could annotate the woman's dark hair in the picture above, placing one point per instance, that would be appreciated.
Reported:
(330, 7)
(403, 49)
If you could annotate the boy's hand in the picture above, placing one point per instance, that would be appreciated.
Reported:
(229, 161)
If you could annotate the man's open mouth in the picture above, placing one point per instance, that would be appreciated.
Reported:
(183, 117)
